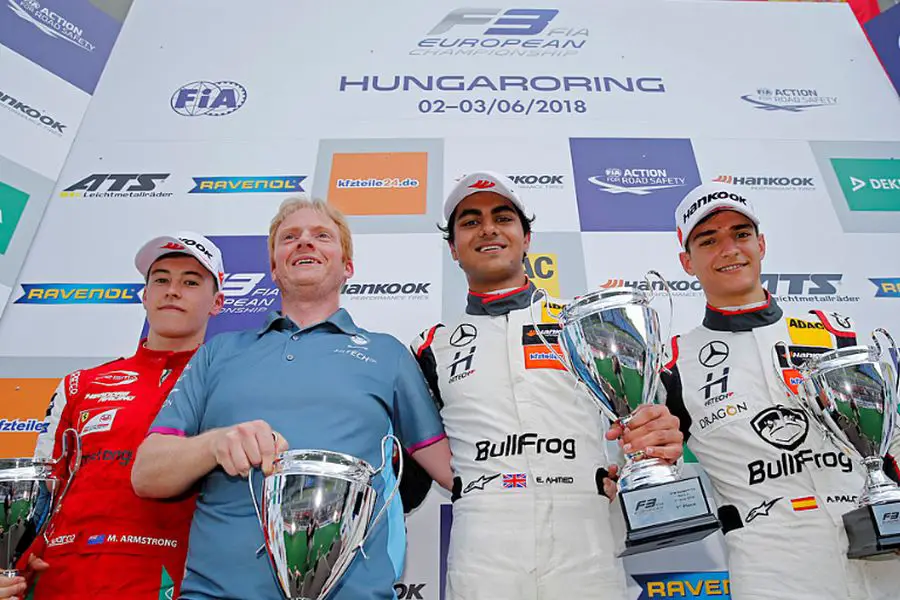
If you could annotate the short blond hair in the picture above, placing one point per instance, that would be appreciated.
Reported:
(292, 204)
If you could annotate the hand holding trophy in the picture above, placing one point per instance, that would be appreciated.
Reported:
(610, 341)
(851, 394)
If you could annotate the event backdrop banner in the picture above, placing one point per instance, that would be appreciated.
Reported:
(604, 115)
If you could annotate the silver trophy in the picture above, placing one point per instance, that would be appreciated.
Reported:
(610, 341)
(316, 514)
(30, 494)
(851, 393)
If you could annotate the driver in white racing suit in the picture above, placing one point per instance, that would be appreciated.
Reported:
(782, 488)
(529, 518)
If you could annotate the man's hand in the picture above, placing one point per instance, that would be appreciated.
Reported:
(241, 446)
(15, 587)
(610, 487)
(652, 430)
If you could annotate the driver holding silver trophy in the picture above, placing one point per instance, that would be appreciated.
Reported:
(782, 487)
(530, 519)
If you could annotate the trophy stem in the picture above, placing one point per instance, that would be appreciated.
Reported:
(644, 472)
(879, 488)
(10, 573)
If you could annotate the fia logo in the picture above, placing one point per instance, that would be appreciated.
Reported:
(208, 98)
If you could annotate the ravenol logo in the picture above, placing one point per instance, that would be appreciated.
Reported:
(208, 98)
(499, 32)
(80, 293)
(237, 185)
(697, 585)
(869, 184)
(888, 287)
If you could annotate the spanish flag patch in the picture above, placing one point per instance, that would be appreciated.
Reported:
(806, 503)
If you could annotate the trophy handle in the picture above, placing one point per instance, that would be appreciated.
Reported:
(64, 452)
(385, 463)
(892, 349)
(668, 292)
(564, 359)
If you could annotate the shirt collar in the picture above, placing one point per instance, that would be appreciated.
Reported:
(164, 357)
(495, 305)
(743, 320)
(339, 319)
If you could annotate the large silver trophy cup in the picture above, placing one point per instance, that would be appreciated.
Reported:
(30, 494)
(610, 341)
(316, 514)
(851, 393)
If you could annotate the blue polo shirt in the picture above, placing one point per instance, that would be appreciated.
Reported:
(331, 386)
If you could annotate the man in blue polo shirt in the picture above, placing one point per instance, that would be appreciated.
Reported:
(321, 382)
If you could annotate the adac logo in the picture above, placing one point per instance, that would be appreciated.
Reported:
(888, 287)
(788, 99)
(23, 109)
(379, 183)
(80, 293)
(543, 271)
(636, 181)
(118, 185)
(247, 185)
(482, 32)
(208, 98)
(50, 22)
(768, 182)
(701, 585)
(782, 427)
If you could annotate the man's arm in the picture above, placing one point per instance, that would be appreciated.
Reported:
(416, 413)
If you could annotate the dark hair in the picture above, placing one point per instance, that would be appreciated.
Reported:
(450, 236)
(687, 244)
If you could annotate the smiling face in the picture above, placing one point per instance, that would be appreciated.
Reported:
(724, 252)
(180, 296)
(307, 256)
(489, 242)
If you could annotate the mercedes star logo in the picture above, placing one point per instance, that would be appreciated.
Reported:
(713, 354)
(464, 335)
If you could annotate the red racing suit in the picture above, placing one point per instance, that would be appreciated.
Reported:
(105, 543)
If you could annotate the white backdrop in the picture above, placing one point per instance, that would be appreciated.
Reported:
(680, 92)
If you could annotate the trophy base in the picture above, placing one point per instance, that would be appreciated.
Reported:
(665, 515)
(873, 530)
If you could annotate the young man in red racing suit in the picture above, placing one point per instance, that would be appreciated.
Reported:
(105, 543)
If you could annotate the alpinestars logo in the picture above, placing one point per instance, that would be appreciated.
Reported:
(786, 428)
(762, 510)
(479, 483)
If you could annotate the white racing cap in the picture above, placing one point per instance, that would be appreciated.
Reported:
(483, 181)
(183, 242)
(703, 201)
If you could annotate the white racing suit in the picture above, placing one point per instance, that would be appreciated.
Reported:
(782, 487)
(529, 454)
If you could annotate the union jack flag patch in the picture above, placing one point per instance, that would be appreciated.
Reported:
(514, 480)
